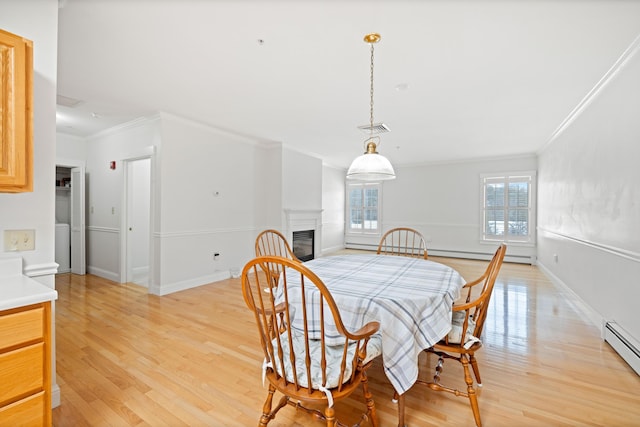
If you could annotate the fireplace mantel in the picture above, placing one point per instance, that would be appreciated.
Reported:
(304, 219)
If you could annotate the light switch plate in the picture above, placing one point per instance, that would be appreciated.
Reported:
(19, 240)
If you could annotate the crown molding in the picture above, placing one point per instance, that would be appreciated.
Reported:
(623, 60)
(140, 121)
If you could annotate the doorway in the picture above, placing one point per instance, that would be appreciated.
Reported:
(70, 241)
(137, 214)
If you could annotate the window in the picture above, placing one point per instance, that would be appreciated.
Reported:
(363, 207)
(508, 207)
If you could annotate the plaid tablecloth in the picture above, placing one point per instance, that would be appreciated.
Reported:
(410, 297)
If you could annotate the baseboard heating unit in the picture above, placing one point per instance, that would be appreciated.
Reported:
(622, 342)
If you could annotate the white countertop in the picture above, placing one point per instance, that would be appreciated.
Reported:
(17, 290)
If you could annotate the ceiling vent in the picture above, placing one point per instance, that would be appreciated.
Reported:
(378, 128)
(65, 101)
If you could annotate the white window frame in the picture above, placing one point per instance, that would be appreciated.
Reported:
(506, 178)
(364, 185)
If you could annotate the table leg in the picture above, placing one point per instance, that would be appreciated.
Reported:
(401, 411)
(399, 400)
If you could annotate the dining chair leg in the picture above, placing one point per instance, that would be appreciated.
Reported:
(368, 397)
(266, 408)
(473, 397)
(476, 370)
(330, 415)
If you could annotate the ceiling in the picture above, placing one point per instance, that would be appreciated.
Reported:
(454, 80)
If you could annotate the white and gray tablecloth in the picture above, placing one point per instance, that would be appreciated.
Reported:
(410, 297)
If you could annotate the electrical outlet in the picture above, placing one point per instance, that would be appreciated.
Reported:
(19, 240)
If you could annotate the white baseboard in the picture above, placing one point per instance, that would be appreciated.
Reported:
(191, 283)
(327, 251)
(141, 276)
(115, 277)
(55, 396)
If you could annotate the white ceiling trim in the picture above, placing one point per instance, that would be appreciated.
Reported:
(608, 77)
(248, 139)
(140, 121)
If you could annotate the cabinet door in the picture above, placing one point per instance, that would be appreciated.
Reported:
(16, 103)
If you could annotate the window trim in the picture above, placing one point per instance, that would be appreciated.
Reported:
(506, 177)
(363, 232)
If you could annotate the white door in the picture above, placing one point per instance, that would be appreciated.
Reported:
(138, 211)
(78, 261)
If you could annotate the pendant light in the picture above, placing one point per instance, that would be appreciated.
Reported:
(371, 166)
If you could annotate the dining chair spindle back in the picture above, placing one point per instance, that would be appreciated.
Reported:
(403, 241)
(273, 243)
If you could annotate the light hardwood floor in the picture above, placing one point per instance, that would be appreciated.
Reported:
(127, 358)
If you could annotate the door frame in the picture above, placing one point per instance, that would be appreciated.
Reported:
(145, 153)
(71, 164)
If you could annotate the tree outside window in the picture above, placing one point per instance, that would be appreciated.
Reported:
(508, 207)
(363, 209)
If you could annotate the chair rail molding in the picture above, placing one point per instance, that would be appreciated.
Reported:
(621, 252)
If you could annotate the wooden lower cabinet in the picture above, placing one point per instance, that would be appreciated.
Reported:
(25, 366)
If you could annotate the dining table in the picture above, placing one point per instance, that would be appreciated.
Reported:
(410, 297)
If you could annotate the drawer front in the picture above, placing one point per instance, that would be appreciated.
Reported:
(21, 372)
(17, 327)
(26, 412)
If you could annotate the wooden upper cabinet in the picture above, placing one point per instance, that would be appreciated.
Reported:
(16, 113)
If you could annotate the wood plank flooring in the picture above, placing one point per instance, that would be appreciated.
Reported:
(127, 358)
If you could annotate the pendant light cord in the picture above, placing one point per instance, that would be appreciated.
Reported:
(368, 167)
(371, 95)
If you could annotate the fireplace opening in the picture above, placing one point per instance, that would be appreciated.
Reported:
(303, 244)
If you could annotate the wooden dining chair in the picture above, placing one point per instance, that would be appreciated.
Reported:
(468, 317)
(273, 243)
(310, 364)
(403, 241)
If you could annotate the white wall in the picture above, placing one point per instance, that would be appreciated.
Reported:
(443, 202)
(213, 193)
(70, 152)
(301, 181)
(210, 196)
(105, 189)
(589, 199)
(70, 149)
(37, 20)
(333, 208)
(269, 180)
